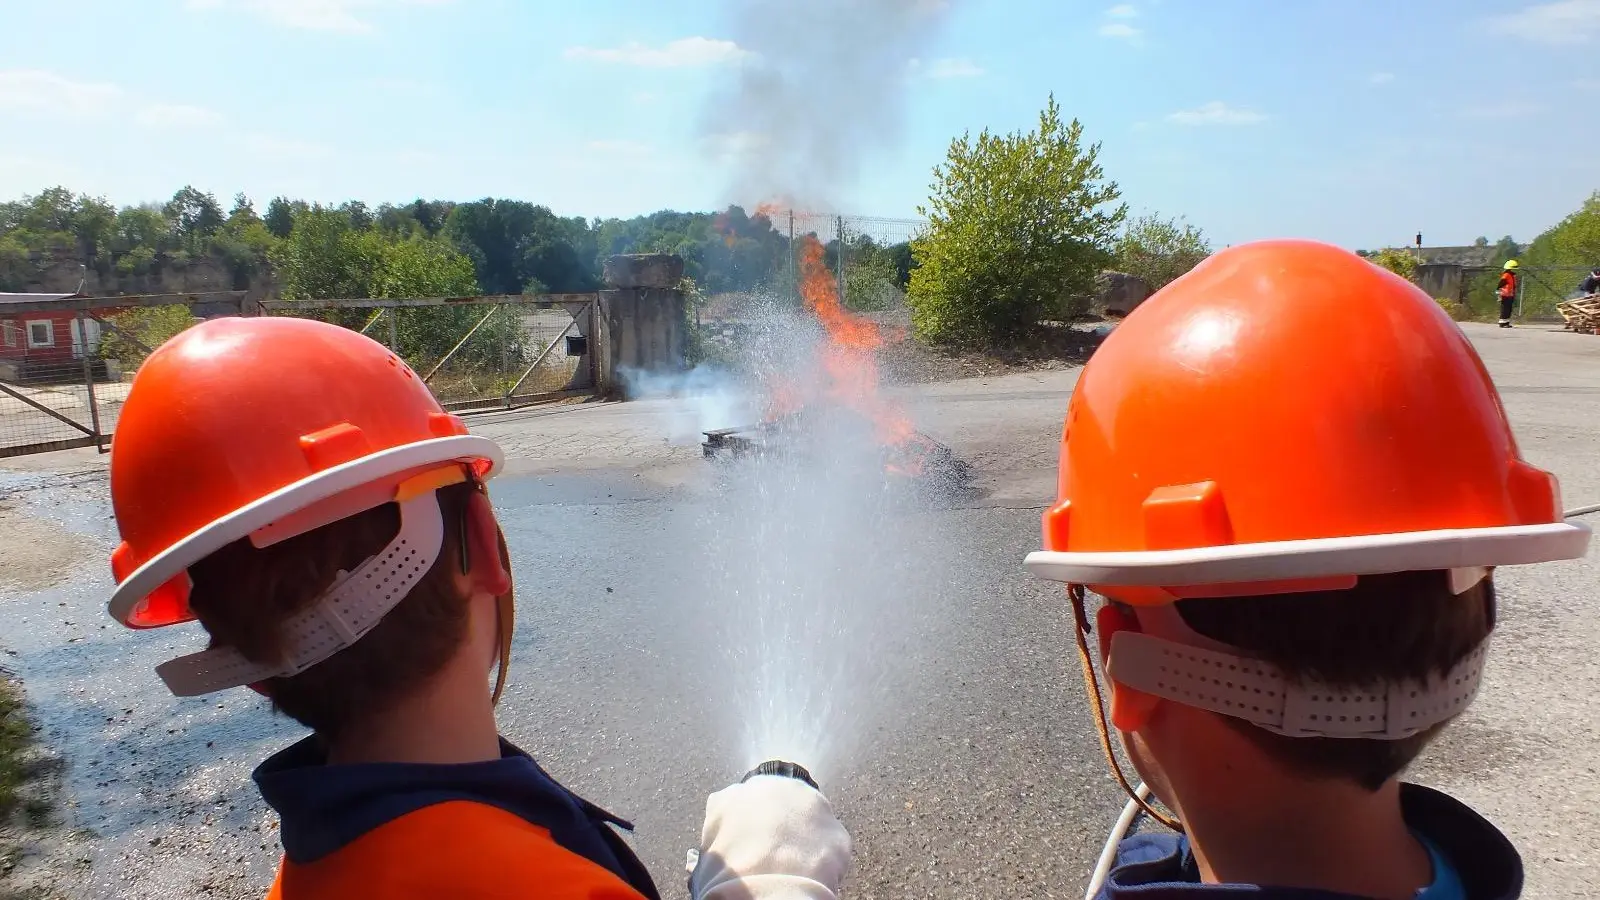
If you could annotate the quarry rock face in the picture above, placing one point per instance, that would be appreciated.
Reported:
(644, 270)
(1118, 293)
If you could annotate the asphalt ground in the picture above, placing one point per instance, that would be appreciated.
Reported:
(962, 757)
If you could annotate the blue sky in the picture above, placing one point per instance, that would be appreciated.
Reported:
(1354, 122)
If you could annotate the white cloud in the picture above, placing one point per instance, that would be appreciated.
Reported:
(267, 146)
(176, 116)
(40, 91)
(1561, 22)
(681, 53)
(339, 16)
(1216, 113)
(949, 67)
(1117, 27)
(1380, 78)
(1120, 30)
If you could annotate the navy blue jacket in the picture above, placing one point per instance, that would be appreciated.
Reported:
(1160, 866)
(323, 807)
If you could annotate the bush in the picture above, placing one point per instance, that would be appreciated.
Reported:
(1018, 227)
(1160, 251)
(870, 284)
(1400, 262)
(1458, 311)
(151, 326)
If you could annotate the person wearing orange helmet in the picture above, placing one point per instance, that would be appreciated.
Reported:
(1298, 585)
(295, 487)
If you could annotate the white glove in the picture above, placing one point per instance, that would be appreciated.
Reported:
(770, 838)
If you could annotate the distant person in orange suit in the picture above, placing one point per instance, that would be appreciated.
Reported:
(1510, 283)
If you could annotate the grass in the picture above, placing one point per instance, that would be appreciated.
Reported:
(16, 734)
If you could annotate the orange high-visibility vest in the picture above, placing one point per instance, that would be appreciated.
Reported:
(456, 849)
(1508, 284)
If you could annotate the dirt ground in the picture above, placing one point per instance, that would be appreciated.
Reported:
(37, 553)
(981, 779)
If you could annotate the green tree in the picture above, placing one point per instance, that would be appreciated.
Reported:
(360, 217)
(280, 215)
(243, 210)
(150, 326)
(1160, 250)
(514, 244)
(1019, 225)
(196, 215)
(246, 246)
(142, 226)
(325, 257)
(1401, 262)
(871, 282)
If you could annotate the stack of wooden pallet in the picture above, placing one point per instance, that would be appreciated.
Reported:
(1582, 314)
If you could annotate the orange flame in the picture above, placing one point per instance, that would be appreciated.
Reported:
(846, 357)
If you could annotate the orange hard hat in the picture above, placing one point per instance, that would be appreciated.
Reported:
(1288, 416)
(263, 428)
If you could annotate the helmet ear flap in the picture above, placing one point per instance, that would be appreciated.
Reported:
(1130, 709)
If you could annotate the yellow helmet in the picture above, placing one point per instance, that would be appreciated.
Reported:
(1511, 264)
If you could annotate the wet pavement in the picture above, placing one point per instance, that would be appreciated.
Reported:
(972, 771)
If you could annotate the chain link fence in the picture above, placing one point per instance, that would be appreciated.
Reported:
(65, 370)
(476, 352)
(66, 364)
(870, 256)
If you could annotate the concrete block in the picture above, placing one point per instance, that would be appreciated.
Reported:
(643, 270)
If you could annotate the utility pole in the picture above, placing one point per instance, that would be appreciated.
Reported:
(838, 260)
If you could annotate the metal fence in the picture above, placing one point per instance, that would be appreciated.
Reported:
(870, 256)
(66, 364)
(477, 352)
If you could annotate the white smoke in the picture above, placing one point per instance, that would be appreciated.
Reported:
(702, 399)
(822, 89)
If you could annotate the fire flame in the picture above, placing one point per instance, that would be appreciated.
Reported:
(847, 370)
(846, 357)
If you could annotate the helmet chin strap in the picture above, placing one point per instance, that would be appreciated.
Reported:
(1076, 593)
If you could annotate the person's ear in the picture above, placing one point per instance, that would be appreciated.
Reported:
(1130, 709)
(486, 571)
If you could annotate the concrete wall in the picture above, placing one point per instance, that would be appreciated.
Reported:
(1440, 280)
(63, 270)
(643, 320)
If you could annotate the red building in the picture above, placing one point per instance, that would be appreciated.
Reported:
(40, 340)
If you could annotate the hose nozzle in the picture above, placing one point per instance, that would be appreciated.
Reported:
(779, 767)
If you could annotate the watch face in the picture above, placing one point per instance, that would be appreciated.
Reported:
(779, 767)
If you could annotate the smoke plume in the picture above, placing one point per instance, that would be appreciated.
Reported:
(823, 89)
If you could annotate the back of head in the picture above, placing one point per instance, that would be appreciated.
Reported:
(244, 595)
(297, 487)
(1291, 473)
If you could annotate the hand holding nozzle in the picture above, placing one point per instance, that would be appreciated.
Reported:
(773, 834)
